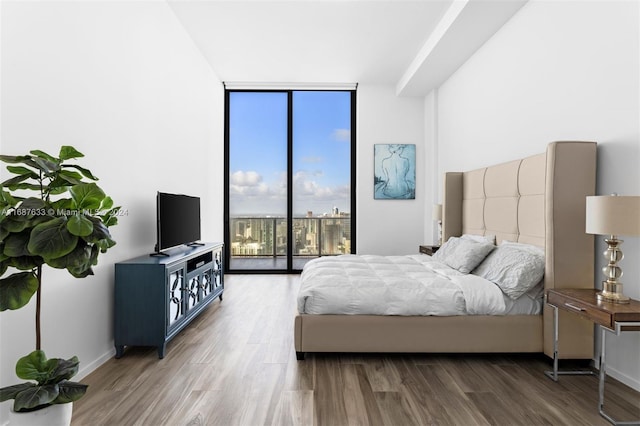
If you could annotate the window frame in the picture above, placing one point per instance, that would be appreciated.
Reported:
(227, 218)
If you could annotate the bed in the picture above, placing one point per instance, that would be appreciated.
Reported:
(538, 201)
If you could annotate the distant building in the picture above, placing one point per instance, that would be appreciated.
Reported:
(326, 234)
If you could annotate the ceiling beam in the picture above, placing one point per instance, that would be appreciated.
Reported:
(463, 29)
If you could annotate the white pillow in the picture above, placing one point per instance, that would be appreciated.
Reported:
(463, 254)
(515, 268)
(491, 239)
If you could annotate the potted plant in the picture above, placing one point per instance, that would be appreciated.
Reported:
(64, 225)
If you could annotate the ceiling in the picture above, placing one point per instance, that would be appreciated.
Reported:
(413, 45)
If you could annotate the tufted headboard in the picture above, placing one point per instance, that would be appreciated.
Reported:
(537, 200)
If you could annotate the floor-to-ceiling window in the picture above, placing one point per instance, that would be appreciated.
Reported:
(290, 177)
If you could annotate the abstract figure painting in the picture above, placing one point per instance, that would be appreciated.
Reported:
(394, 172)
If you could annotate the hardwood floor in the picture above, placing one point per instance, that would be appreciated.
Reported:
(235, 365)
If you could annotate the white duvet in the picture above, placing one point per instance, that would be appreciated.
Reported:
(396, 285)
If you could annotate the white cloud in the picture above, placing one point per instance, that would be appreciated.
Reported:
(306, 187)
(249, 178)
(250, 194)
(247, 184)
(341, 135)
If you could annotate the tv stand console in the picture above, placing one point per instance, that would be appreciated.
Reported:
(156, 297)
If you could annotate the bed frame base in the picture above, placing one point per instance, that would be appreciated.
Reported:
(455, 334)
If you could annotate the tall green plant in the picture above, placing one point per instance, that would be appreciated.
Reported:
(65, 225)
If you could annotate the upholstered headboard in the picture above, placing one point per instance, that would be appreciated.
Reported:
(506, 200)
(537, 200)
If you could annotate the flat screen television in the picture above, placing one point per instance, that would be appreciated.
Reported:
(178, 218)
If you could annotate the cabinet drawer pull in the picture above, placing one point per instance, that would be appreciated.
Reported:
(574, 307)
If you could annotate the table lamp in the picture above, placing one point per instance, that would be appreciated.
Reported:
(437, 217)
(613, 215)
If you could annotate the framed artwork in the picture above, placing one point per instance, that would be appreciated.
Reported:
(394, 172)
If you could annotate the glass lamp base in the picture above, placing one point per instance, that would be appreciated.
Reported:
(612, 293)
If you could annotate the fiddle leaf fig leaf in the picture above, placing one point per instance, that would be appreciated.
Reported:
(15, 223)
(62, 369)
(70, 391)
(87, 196)
(100, 235)
(34, 367)
(33, 204)
(45, 165)
(6, 199)
(52, 239)
(10, 392)
(58, 186)
(85, 172)
(80, 272)
(79, 225)
(15, 159)
(105, 245)
(14, 181)
(95, 251)
(63, 204)
(107, 203)
(35, 396)
(17, 289)
(78, 259)
(110, 220)
(42, 154)
(23, 185)
(38, 220)
(26, 263)
(20, 170)
(72, 178)
(15, 245)
(67, 152)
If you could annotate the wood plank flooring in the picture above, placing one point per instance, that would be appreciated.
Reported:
(235, 365)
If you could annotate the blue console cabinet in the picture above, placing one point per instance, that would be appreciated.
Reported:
(157, 296)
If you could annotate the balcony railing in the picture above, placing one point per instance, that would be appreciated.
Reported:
(312, 236)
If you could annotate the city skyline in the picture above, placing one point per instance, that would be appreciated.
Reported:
(312, 236)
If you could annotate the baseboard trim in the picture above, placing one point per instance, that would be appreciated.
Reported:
(621, 377)
(92, 366)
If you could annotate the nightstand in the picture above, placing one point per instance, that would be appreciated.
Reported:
(609, 317)
(429, 249)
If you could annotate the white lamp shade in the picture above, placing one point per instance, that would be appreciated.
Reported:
(613, 215)
(437, 212)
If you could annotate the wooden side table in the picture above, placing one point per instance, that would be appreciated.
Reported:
(428, 249)
(609, 317)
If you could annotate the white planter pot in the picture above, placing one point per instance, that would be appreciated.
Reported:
(53, 415)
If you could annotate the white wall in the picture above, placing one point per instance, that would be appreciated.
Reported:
(556, 71)
(388, 227)
(125, 85)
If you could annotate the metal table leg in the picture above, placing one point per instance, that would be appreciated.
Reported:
(603, 376)
(553, 375)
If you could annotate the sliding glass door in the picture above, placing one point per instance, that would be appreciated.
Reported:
(289, 190)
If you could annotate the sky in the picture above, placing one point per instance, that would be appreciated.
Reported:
(258, 152)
